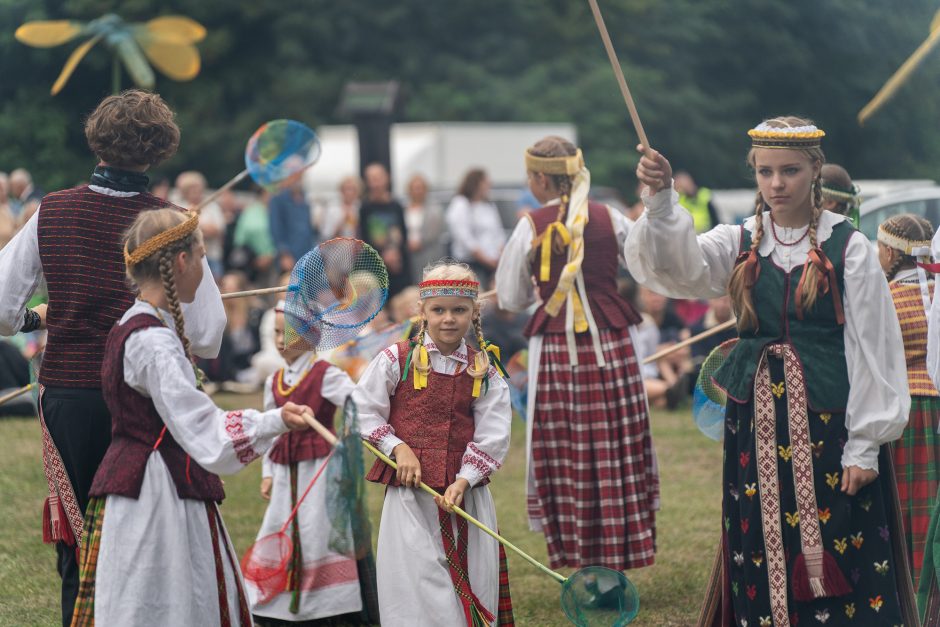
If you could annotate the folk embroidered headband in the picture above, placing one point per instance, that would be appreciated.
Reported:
(568, 165)
(914, 248)
(161, 240)
(766, 136)
(464, 289)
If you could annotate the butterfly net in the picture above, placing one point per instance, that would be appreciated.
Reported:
(599, 597)
(708, 400)
(279, 152)
(335, 290)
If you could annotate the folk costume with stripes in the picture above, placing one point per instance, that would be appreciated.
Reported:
(811, 391)
(592, 483)
(433, 568)
(73, 241)
(322, 583)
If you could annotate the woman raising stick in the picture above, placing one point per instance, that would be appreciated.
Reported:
(592, 482)
(816, 384)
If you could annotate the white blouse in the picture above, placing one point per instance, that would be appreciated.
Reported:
(664, 254)
(336, 388)
(492, 413)
(220, 441)
(514, 287)
(474, 226)
(21, 273)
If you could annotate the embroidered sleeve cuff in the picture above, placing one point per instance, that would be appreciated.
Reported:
(476, 464)
(471, 474)
(860, 453)
(660, 204)
(384, 439)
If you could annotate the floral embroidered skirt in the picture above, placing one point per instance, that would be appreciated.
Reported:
(779, 556)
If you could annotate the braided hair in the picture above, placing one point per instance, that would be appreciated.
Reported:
(553, 146)
(738, 289)
(910, 227)
(159, 266)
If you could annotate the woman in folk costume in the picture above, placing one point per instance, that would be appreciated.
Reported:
(322, 583)
(442, 411)
(902, 240)
(74, 241)
(156, 551)
(816, 384)
(592, 483)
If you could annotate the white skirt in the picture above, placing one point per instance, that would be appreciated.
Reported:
(330, 582)
(415, 587)
(156, 564)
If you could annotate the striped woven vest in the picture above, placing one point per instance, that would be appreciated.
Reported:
(910, 307)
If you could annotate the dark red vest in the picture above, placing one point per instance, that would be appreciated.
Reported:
(599, 269)
(436, 422)
(135, 429)
(298, 446)
(83, 262)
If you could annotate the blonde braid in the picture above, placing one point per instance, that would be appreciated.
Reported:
(481, 363)
(812, 273)
(416, 351)
(172, 298)
(738, 290)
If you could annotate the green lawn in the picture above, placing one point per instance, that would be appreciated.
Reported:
(670, 591)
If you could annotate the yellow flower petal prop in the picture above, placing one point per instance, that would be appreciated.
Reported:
(176, 29)
(77, 55)
(903, 73)
(47, 34)
(545, 268)
(178, 61)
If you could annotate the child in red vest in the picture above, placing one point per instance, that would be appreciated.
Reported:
(155, 550)
(443, 413)
(322, 583)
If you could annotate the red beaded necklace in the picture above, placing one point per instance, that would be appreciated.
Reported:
(773, 231)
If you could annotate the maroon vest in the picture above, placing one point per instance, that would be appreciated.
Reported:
(436, 422)
(298, 446)
(599, 269)
(83, 262)
(135, 429)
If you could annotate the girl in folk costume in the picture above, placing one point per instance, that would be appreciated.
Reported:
(443, 412)
(156, 551)
(322, 583)
(592, 484)
(74, 241)
(839, 193)
(902, 239)
(816, 384)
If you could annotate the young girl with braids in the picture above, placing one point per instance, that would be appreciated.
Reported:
(592, 484)
(903, 240)
(156, 551)
(816, 385)
(442, 411)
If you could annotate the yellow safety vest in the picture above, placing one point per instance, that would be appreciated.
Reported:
(698, 207)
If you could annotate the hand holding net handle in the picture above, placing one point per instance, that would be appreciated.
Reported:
(16, 393)
(329, 437)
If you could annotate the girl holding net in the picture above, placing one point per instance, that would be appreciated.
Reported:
(592, 486)
(815, 384)
(902, 240)
(156, 551)
(321, 583)
(442, 410)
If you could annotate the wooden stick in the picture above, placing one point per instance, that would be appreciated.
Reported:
(15, 393)
(329, 437)
(258, 292)
(234, 181)
(618, 72)
(724, 326)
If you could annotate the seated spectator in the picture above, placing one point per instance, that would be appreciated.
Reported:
(719, 311)
(24, 196)
(14, 374)
(675, 370)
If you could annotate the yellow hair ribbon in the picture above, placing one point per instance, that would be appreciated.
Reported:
(421, 378)
(580, 320)
(545, 270)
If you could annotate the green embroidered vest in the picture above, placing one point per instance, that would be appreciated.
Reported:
(818, 338)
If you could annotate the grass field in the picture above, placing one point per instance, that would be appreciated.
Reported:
(670, 591)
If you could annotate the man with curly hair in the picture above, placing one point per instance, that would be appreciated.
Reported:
(73, 240)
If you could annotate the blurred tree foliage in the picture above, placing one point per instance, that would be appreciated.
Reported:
(702, 72)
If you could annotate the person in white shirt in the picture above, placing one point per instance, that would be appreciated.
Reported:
(476, 229)
(816, 385)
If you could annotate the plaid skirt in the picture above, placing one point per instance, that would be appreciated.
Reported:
(916, 459)
(592, 455)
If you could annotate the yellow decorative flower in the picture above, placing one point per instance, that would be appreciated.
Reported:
(750, 489)
(785, 453)
(793, 519)
(857, 540)
(777, 388)
(825, 418)
(850, 609)
(841, 545)
(824, 515)
(832, 479)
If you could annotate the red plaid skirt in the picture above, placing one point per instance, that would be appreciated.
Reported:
(592, 455)
(916, 459)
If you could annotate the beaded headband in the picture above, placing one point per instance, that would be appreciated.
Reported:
(464, 289)
(914, 248)
(161, 240)
(766, 136)
(569, 165)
